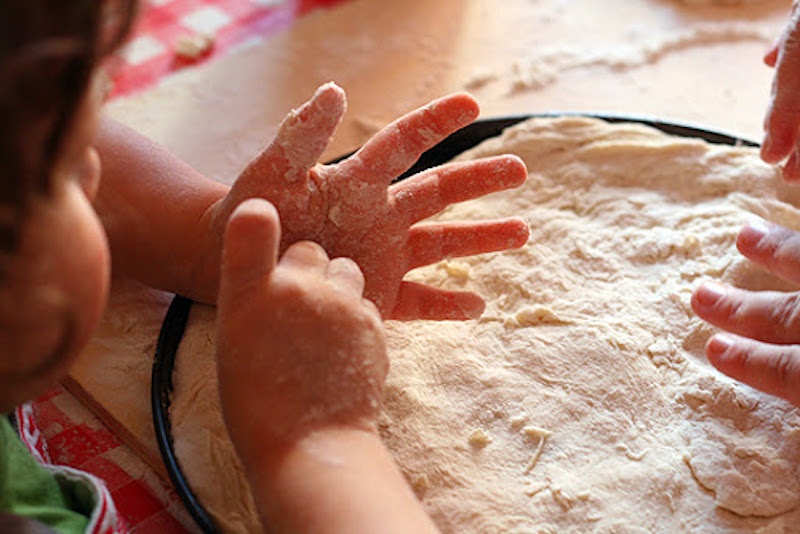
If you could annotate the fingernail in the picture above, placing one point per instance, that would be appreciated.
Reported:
(708, 294)
(718, 346)
(752, 234)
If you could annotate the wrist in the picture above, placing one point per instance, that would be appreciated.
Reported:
(337, 479)
(328, 445)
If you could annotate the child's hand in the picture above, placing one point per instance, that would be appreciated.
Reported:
(351, 209)
(765, 353)
(298, 347)
(782, 122)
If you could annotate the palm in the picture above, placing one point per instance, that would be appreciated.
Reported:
(353, 210)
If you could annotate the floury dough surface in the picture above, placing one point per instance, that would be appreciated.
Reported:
(200, 441)
(581, 401)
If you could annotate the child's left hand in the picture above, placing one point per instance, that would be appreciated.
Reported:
(352, 210)
(765, 352)
(295, 335)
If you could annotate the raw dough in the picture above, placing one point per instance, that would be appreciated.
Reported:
(581, 401)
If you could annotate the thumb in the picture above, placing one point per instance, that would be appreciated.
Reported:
(250, 247)
(302, 137)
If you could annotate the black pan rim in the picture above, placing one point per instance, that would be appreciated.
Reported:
(177, 315)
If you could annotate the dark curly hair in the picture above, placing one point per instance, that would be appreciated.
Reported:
(49, 50)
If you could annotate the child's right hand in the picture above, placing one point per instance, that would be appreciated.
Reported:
(298, 347)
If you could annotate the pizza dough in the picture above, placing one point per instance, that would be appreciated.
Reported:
(581, 400)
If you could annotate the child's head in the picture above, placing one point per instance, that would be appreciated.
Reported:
(53, 254)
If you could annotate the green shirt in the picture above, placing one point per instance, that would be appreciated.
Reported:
(29, 489)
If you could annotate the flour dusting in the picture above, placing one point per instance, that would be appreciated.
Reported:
(581, 400)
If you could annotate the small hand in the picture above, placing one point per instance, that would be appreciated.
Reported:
(765, 348)
(298, 347)
(782, 121)
(352, 210)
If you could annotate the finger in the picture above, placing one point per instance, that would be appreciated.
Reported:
(345, 274)
(780, 126)
(397, 147)
(433, 190)
(770, 368)
(429, 243)
(774, 247)
(768, 316)
(307, 256)
(417, 301)
(250, 247)
(302, 136)
(783, 114)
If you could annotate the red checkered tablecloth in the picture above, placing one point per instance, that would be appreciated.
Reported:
(151, 53)
(69, 434)
(69, 431)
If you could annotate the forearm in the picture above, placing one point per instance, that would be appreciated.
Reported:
(335, 480)
(153, 205)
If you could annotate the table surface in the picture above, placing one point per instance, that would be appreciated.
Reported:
(664, 59)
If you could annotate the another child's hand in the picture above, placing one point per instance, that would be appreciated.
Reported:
(352, 210)
(298, 347)
(765, 350)
(782, 122)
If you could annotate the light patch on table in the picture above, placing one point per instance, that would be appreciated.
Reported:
(142, 49)
(206, 20)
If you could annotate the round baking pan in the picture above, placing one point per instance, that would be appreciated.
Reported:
(178, 313)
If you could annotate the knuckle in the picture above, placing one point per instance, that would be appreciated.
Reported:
(786, 313)
(786, 369)
(290, 287)
(785, 251)
(347, 265)
(310, 247)
(731, 306)
(306, 252)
